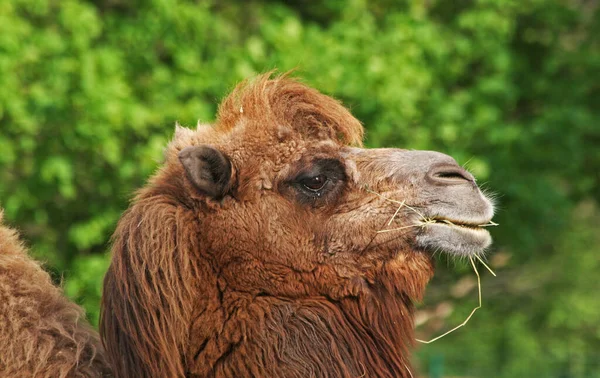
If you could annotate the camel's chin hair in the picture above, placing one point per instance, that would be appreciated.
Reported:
(454, 239)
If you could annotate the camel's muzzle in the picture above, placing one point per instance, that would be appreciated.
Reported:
(448, 207)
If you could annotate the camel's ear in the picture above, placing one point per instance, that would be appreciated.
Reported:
(208, 169)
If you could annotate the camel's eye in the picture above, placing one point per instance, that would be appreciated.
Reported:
(315, 183)
(319, 181)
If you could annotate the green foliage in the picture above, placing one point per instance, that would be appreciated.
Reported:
(90, 92)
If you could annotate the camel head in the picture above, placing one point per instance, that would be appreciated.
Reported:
(284, 198)
(277, 204)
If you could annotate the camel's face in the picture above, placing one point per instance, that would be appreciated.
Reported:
(317, 207)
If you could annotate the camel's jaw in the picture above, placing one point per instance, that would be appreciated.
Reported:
(447, 230)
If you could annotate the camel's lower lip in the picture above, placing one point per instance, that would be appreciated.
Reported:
(460, 238)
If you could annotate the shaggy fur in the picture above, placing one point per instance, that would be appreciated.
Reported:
(233, 288)
(42, 334)
(254, 251)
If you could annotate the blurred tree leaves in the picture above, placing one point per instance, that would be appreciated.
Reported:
(90, 91)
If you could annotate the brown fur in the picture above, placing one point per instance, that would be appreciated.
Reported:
(258, 279)
(42, 334)
(235, 287)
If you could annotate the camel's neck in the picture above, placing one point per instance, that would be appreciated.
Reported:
(364, 336)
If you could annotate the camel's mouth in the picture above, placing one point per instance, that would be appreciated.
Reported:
(463, 224)
(457, 236)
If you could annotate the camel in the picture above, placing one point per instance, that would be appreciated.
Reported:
(42, 334)
(270, 244)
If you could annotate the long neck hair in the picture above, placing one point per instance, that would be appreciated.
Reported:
(364, 335)
(149, 287)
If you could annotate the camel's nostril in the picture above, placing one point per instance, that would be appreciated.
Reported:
(449, 175)
(454, 175)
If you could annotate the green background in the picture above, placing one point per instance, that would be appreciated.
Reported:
(90, 92)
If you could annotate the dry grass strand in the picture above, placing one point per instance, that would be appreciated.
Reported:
(472, 312)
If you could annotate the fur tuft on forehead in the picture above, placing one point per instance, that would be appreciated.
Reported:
(279, 101)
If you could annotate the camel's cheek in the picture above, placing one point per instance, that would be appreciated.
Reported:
(261, 252)
(360, 228)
